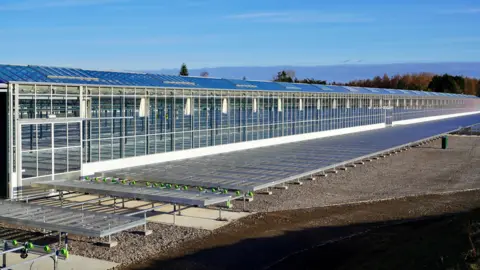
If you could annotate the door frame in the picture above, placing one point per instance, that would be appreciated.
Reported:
(43, 121)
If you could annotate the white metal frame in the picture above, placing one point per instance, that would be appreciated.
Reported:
(52, 122)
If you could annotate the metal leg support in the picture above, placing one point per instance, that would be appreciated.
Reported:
(244, 202)
(174, 213)
(5, 248)
(61, 198)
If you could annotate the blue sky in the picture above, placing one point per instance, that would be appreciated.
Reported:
(155, 34)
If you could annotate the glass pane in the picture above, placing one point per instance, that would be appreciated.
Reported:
(74, 163)
(29, 141)
(105, 150)
(129, 147)
(141, 144)
(60, 138)
(59, 107)
(61, 160)
(44, 136)
(116, 148)
(44, 162)
(73, 107)
(29, 164)
(73, 134)
(94, 150)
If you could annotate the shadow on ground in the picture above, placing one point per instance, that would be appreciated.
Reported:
(434, 242)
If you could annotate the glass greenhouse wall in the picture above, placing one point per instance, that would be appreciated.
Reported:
(128, 122)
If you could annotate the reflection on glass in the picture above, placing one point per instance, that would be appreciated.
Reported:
(60, 135)
(61, 157)
(74, 163)
(44, 162)
(29, 164)
(73, 134)
(29, 137)
(44, 136)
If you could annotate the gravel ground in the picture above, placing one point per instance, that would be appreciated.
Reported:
(423, 170)
(132, 247)
(426, 169)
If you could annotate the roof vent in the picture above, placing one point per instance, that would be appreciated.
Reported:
(73, 78)
(179, 83)
(246, 86)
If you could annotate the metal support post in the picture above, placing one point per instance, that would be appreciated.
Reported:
(244, 202)
(61, 198)
(5, 248)
(66, 241)
(145, 226)
(114, 204)
(174, 213)
(55, 261)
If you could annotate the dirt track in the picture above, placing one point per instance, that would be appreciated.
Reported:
(272, 239)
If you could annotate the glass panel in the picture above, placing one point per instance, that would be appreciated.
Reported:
(59, 107)
(44, 162)
(61, 160)
(29, 164)
(129, 147)
(60, 137)
(94, 151)
(73, 90)
(74, 163)
(73, 134)
(105, 150)
(59, 90)
(41, 89)
(44, 136)
(29, 141)
(141, 144)
(116, 148)
(73, 107)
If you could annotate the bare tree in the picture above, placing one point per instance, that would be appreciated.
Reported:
(204, 74)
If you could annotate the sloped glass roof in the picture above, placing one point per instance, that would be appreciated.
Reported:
(43, 74)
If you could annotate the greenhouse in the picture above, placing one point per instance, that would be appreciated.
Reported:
(64, 123)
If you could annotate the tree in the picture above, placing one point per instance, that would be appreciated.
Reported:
(447, 84)
(310, 81)
(244, 78)
(184, 70)
(204, 74)
(478, 88)
(282, 76)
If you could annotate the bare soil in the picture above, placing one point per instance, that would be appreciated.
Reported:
(410, 233)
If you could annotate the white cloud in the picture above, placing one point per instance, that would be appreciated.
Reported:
(38, 4)
(300, 17)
